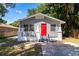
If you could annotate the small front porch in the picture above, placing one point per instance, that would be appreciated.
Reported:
(31, 36)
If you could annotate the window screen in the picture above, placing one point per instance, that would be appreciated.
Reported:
(53, 27)
(29, 27)
(26, 27)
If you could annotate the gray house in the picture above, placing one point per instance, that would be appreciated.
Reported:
(38, 26)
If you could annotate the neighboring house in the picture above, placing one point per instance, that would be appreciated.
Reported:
(42, 26)
(7, 30)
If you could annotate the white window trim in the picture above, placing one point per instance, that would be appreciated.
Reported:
(51, 28)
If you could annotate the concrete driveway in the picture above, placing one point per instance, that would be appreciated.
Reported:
(59, 49)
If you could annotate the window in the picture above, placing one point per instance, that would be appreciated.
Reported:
(53, 26)
(29, 27)
(26, 27)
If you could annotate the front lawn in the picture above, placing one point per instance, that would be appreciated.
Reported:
(14, 48)
(15, 51)
(5, 40)
(73, 40)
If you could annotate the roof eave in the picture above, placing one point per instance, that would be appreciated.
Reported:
(62, 22)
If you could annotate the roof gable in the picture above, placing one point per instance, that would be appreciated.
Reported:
(41, 16)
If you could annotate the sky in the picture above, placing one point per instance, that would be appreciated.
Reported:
(19, 11)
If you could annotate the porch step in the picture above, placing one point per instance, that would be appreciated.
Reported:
(44, 38)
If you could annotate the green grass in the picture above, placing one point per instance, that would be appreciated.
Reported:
(5, 40)
(9, 50)
(73, 40)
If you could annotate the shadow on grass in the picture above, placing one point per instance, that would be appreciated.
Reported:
(10, 42)
(10, 51)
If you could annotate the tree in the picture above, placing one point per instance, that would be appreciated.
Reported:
(4, 10)
(16, 23)
(32, 11)
(69, 12)
(3, 21)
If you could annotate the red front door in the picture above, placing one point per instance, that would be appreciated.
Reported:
(43, 29)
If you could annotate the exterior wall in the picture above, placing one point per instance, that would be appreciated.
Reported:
(59, 33)
(37, 27)
(5, 32)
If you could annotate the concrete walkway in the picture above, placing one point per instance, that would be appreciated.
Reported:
(58, 49)
(13, 38)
